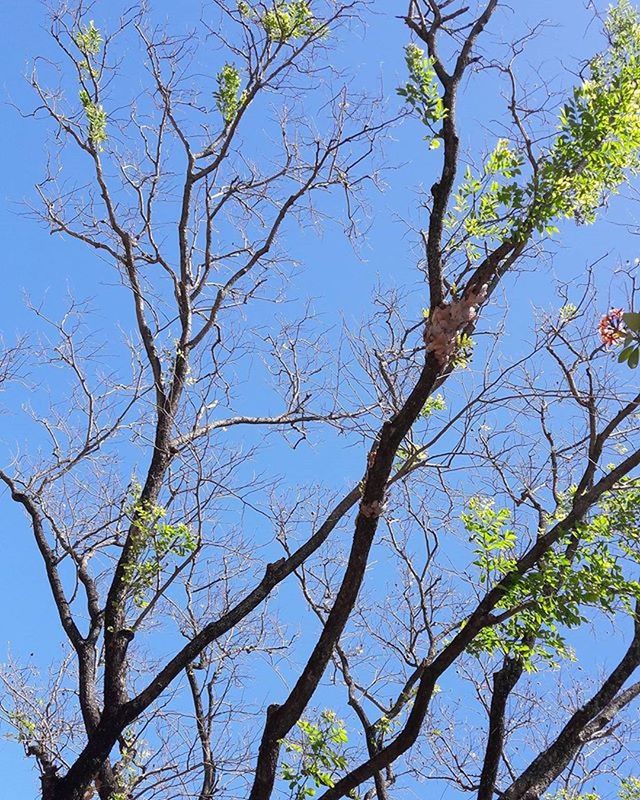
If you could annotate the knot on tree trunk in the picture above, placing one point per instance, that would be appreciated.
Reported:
(447, 320)
(372, 510)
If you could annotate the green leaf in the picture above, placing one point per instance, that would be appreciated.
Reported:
(421, 92)
(626, 352)
(227, 95)
(321, 758)
(293, 20)
(632, 320)
(88, 39)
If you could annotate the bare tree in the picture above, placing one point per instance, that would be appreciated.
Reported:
(501, 497)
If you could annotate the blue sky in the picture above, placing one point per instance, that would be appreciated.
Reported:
(339, 279)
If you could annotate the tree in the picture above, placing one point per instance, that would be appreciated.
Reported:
(144, 510)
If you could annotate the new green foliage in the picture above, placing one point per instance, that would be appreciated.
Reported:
(621, 514)
(89, 39)
(228, 96)
(319, 754)
(25, 728)
(96, 119)
(421, 91)
(484, 204)
(286, 21)
(568, 312)
(555, 595)
(464, 351)
(630, 352)
(566, 794)
(629, 789)
(599, 138)
(154, 543)
(491, 538)
(434, 403)
(597, 146)
(128, 773)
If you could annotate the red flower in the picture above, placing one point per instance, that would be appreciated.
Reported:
(612, 328)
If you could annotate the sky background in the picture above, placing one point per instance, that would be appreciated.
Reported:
(339, 278)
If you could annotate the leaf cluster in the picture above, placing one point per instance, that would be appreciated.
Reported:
(555, 595)
(96, 119)
(153, 543)
(320, 752)
(435, 402)
(486, 203)
(421, 90)
(285, 21)
(597, 146)
(88, 40)
(630, 352)
(228, 96)
(629, 789)
(599, 138)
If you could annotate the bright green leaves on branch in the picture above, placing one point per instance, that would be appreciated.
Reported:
(552, 597)
(493, 542)
(568, 312)
(492, 195)
(96, 119)
(493, 210)
(464, 351)
(154, 542)
(88, 40)
(286, 21)
(486, 205)
(281, 22)
(621, 510)
(629, 789)
(24, 727)
(421, 91)
(228, 96)
(567, 794)
(630, 352)
(599, 139)
(596, 148)
(319, 754)
(434, 403)
(503, 161)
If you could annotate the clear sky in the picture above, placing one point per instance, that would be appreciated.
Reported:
(43, 268)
